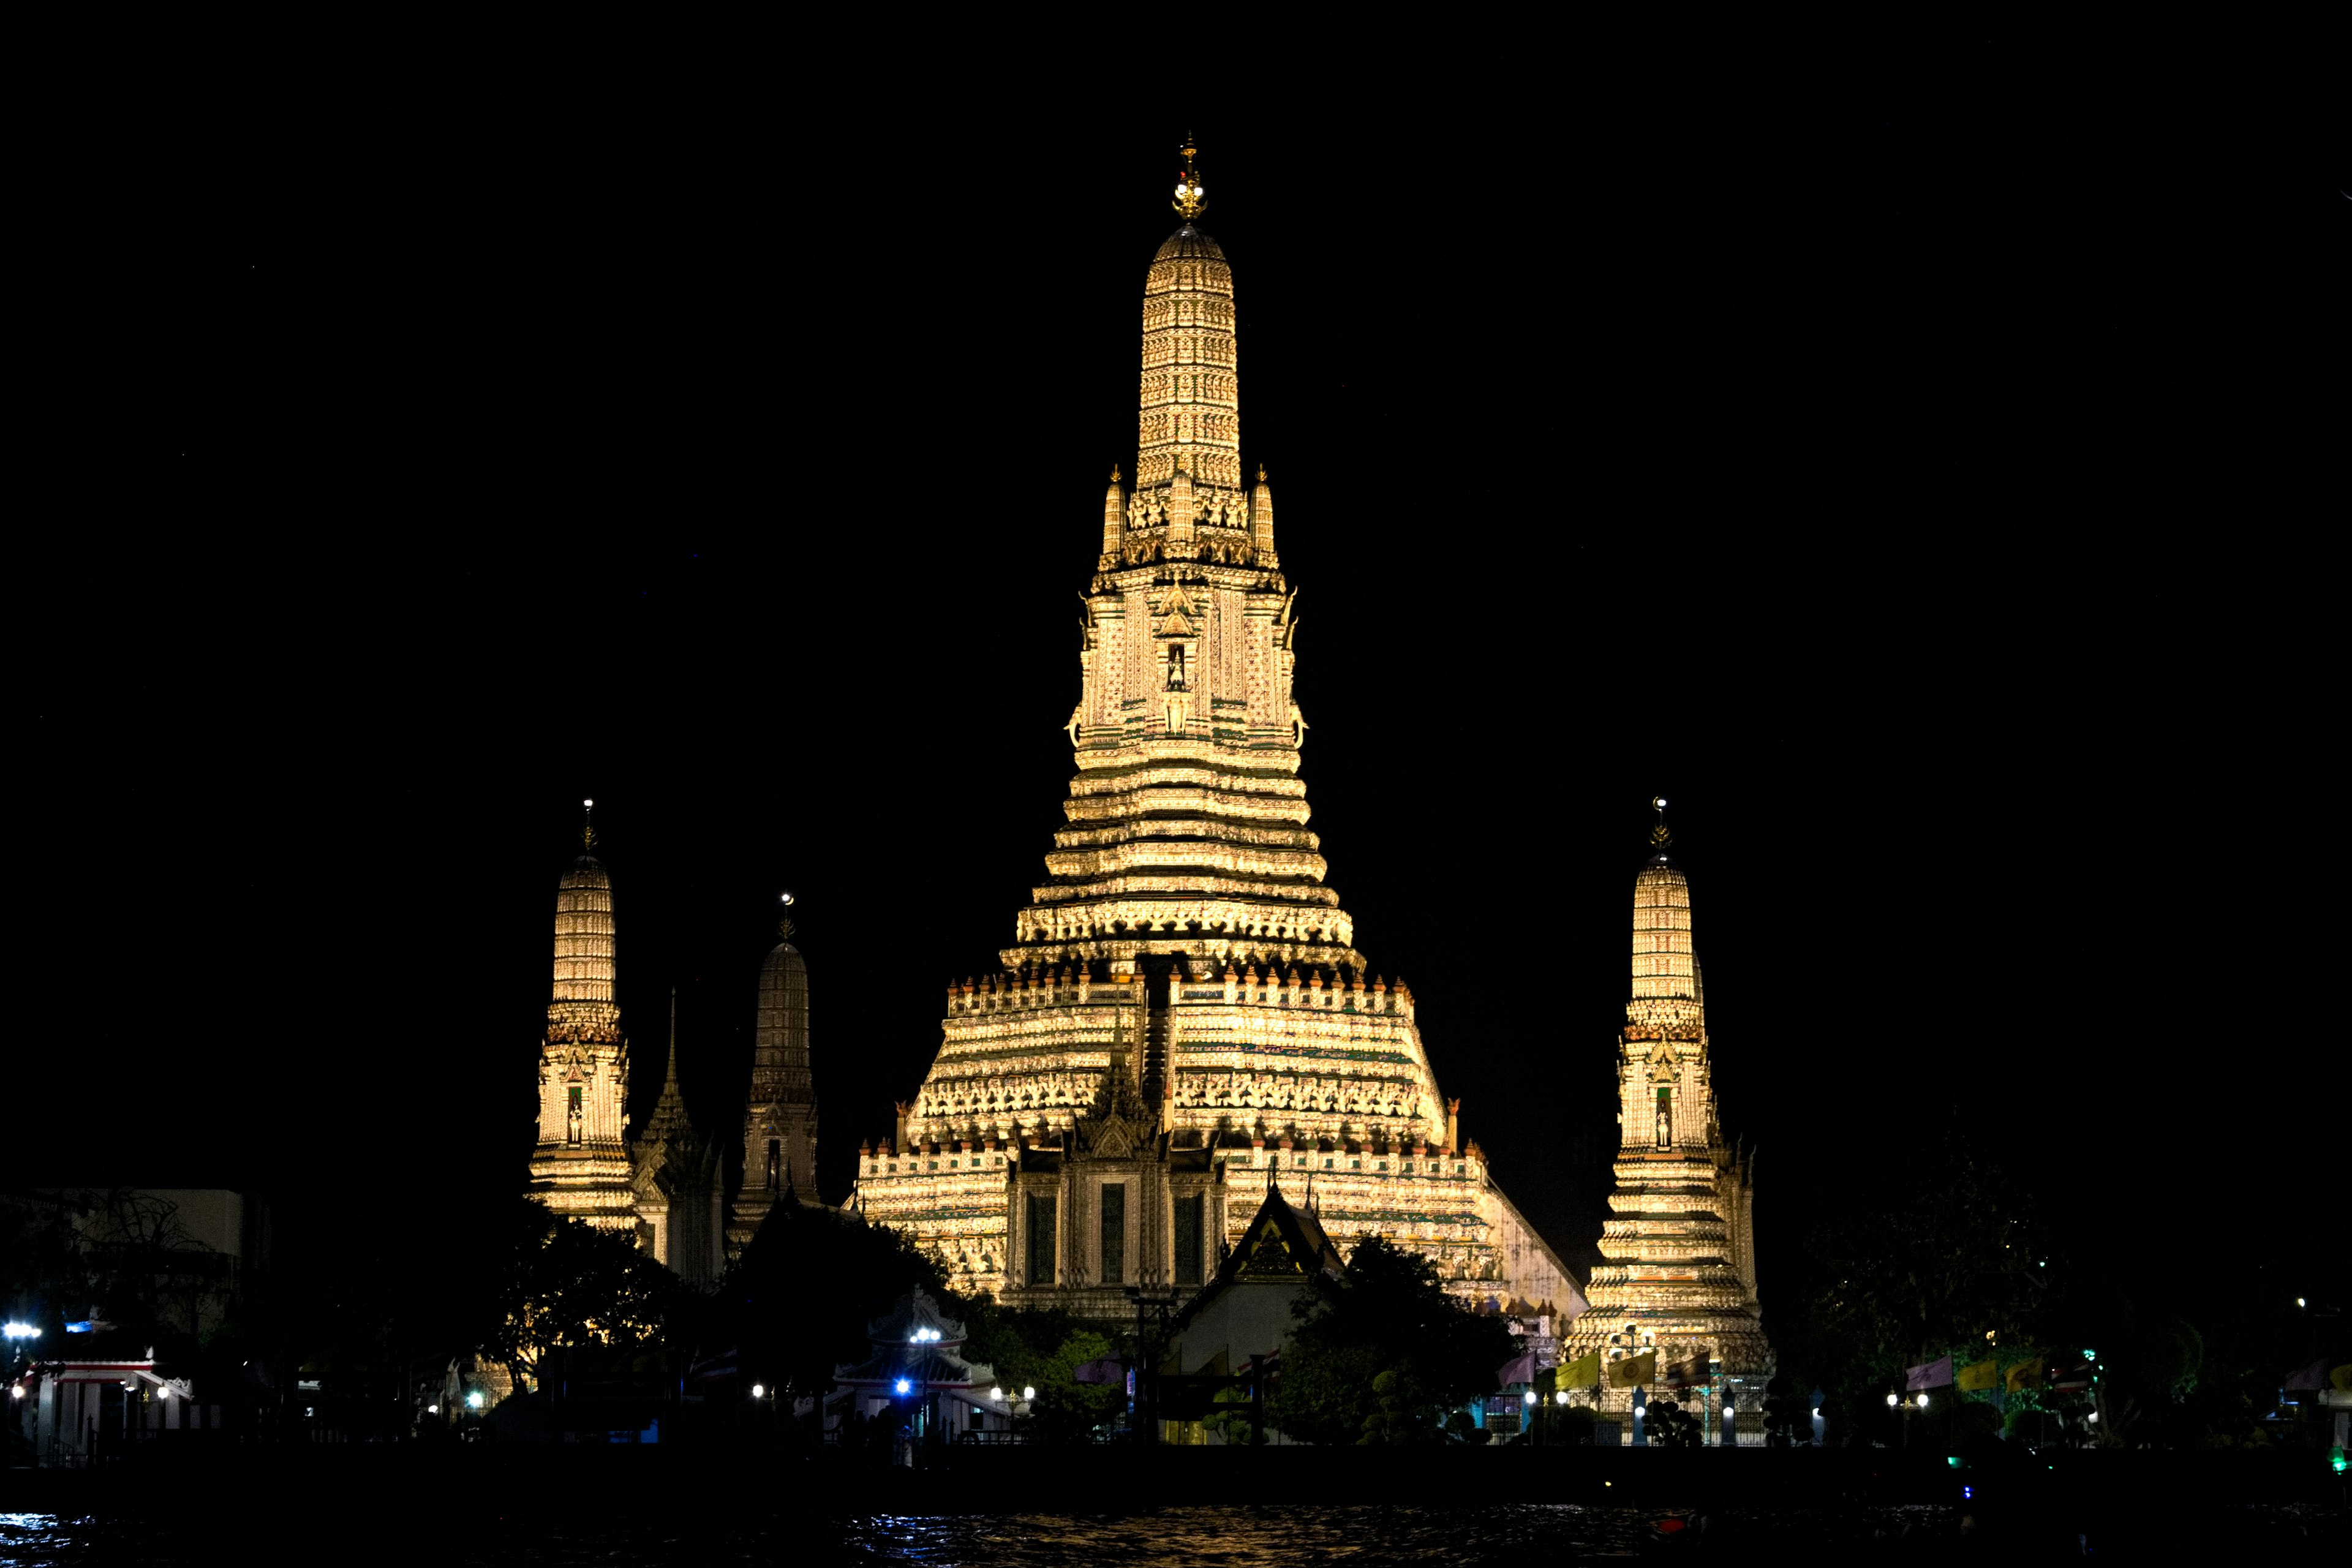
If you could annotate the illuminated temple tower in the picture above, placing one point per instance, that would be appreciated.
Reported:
(780, 1120)
(1182, 1009)
(580, 1166)
(1678, 1258)
(662, 1187)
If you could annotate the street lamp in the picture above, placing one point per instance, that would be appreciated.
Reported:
(1559, 1397)
(1028, 1392)
(758, 1391)
(1922, 1400)
(1892, 1401)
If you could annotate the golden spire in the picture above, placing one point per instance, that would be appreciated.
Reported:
(587, 825)
(1261, 473)
(1114, 473)
(1191, 199)
(784, 927)
(1659, 837)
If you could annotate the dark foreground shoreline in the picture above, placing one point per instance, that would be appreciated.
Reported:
(644, 1503)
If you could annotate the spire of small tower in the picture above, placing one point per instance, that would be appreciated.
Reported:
(1261, 515)
(588, 827)
(668, 1122)
(1114, 514)
(669, 1076)
(1664, 967)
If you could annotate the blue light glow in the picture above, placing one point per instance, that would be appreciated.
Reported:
(905, 1386)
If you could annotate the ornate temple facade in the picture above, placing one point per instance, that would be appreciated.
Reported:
(1677, 1273)
(1182, 1010)
(666, 1184)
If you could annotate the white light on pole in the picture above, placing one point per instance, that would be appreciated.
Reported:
(1923, 1401)
(758, 1391)
(1892, 1401)
(1028, 1392)
(1559, 1396)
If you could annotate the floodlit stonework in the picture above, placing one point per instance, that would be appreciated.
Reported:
(1678, 1258)
(1182, 1010)
(581, 1167)
(665, 1185)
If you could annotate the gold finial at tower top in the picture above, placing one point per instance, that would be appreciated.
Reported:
(1261, 473)
(1114, 473)
(587, 825)
(1659, 837)
(1190, 198)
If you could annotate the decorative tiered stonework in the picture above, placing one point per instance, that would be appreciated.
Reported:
(1184, 956)
(580, 1166)
(1678, 1263)
(780, 1120)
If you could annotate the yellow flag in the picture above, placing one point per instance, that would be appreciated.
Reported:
(2026, 1374)
(1584, 1372)
(1635, 1371)
(1979, 1377)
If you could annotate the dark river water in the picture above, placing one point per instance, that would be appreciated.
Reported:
(1192, 1537)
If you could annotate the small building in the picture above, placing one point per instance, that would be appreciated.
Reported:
(1233, 1330)
(915, 1371)
(75, 1412)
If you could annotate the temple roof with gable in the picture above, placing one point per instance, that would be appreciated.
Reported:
(1284, 1245)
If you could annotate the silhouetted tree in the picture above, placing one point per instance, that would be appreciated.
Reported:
(1387, 1317)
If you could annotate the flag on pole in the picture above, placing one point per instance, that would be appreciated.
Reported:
(1635, 1371)
(1584, 1372)
(1937, 1374)
(2026, 1374)
(1521, 1371)
(1978, 1377)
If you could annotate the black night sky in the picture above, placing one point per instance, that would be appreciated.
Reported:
(1920, 492)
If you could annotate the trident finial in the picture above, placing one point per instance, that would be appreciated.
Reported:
(1114, 473)
(784, 926)
(587, 825)
(1192, 198)
(1659, 837)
